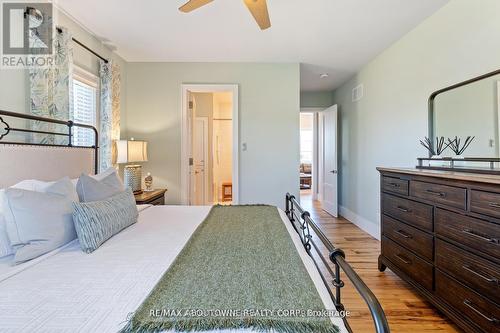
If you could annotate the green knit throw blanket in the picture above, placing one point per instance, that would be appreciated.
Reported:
(240, 269)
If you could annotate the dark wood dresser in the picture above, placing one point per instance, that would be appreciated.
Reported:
(441, 234)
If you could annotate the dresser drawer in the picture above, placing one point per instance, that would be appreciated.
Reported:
(447, 195)
(395, 185)
(478, 273)
(418, 241)
(478, 309)
(478, 234)
(485, 203)
(411, 212)
(418, 269)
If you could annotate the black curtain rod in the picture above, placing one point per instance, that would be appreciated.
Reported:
(59, 30)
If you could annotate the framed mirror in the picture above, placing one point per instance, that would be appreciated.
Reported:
(469, 108)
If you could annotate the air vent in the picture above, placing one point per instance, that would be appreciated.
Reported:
(358, 93)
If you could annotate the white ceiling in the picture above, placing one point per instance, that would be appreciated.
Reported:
(336, 37)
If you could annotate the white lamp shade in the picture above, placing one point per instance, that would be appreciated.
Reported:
(137, 151)
(121, 151)
(131, 151)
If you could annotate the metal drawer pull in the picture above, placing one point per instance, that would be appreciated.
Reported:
(405, 210)
(484, 277)
(397, 185)
(486, 239)
(471, 306)
(494, 205)
(402, 233)
(439, 194)
(403, 259)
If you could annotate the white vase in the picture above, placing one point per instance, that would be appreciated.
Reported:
(438, 162)
(458, 161)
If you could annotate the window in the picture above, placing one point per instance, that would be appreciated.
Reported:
(85, 93)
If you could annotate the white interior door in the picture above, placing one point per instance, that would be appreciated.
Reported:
(329, 160)
(199, 179)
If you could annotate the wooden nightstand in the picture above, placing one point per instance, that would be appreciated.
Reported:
(155, 197)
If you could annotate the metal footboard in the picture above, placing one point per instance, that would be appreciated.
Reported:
(302, 223)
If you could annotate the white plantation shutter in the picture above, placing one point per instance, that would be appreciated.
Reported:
(84, 111)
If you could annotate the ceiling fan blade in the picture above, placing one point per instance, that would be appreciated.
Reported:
(193, 4)
(258, 8)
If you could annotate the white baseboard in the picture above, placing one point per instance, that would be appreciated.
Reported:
(366, 225)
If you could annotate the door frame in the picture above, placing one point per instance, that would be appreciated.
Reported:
(315, 188)
(185, 149)
(206, 197)
(498, 114)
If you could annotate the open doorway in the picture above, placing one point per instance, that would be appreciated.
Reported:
(306, 152)
(209, 144)
(309, 157)
(318, 159)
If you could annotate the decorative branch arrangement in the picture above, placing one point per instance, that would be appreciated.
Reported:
(458, 162)
(441, 145)
(427, 143)
(457, 148)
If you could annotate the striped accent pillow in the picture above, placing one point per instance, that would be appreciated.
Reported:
(98, 221)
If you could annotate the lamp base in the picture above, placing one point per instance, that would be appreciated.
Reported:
(132, 177)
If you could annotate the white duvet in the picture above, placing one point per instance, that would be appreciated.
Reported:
(70, 291)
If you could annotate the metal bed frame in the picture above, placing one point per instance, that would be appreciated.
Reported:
(303, 223)
(4, 126)
(300, 219)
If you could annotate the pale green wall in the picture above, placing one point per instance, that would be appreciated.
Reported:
(14, 85)
(316, 99)
(269, 105)
(383, 129)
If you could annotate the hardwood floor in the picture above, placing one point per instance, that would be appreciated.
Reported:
(405, 309)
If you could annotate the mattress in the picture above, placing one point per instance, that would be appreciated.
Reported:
(70, 291)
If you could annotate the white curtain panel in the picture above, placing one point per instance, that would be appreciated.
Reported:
(50, 89)
(109, 113)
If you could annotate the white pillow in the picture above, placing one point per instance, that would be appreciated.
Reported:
(89, 189)
(100, 176)
(36, 186)
(41, 186)
(5, 248)
(106, 173)
(39, 222)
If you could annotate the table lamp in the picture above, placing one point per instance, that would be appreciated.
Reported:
(132, 151)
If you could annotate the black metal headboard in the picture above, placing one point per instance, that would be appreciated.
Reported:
(6, 129)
